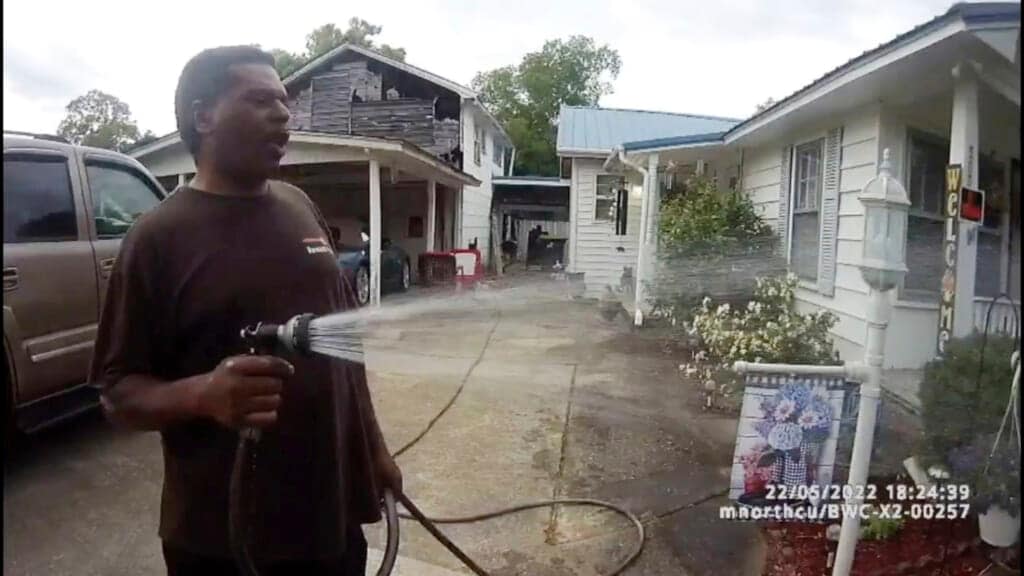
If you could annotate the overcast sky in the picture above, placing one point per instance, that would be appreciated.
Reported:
(717, 57)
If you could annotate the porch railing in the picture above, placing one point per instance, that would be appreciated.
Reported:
(1003, 319)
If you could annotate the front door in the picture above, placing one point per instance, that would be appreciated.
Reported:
(50, 291)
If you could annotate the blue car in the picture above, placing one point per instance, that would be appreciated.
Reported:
(354, 262)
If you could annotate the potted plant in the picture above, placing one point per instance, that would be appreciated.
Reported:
(994, 478)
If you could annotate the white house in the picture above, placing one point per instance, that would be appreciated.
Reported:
(945, 92)
(381, 143)
(604, 205)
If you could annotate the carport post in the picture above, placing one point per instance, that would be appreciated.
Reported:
(375, 232)
(431, 212)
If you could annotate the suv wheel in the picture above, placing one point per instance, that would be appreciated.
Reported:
(406, 276)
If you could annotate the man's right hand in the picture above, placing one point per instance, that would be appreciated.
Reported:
(244, 391)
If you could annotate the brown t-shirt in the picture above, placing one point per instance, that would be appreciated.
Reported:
(191, 274)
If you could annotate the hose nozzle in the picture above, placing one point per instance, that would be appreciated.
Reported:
(293, 336)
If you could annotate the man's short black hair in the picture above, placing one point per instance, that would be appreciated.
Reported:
(206, 77)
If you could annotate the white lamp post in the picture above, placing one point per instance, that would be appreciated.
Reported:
(883, 265)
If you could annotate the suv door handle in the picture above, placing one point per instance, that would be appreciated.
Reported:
(10, 278)
(107, 266)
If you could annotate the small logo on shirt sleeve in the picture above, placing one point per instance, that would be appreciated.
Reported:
(317, 246)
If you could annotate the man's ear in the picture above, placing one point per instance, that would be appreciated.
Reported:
(202, 117)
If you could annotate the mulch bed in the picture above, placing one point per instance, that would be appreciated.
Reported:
(922, 548)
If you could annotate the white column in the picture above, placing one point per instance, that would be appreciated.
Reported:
(431, 213)
(376, 229)
(573, 231)
(963, 150)
(649, 196)
(181, 179)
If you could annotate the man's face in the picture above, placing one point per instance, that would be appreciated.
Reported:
(248, 126)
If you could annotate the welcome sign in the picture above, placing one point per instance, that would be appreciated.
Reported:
(947, 302)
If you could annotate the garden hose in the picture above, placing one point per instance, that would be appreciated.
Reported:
(294, 336)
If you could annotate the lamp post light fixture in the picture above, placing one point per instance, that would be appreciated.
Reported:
(883, 256)
(883, 265)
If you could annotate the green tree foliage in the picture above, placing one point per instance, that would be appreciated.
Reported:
(327, 37)
(526, 97)
(712, 243)
(703, 220)
(101, 120)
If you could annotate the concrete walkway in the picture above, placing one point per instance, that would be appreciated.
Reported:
(556, 402)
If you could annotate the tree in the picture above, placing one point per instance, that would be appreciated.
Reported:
(101, 120)
(286, 62)
(527, 97)
(765, 105)
(325, 38)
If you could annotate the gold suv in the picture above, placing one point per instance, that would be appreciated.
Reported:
(66, 209)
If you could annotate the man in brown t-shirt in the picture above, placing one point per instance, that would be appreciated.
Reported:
(230, 249)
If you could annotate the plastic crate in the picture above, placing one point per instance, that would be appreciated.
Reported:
(436, 268)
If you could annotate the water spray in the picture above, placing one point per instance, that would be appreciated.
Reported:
(340, 336)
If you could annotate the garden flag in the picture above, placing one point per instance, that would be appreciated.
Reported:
(787, 434)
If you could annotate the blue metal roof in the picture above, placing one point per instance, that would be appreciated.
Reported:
(599, 130)
(674, 141)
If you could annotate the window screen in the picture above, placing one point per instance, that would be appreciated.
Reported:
(926, 179)
(807, 184)
(38, 205)
(605, 203)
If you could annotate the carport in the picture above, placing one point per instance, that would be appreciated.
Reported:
(523, 202)
(396, 189)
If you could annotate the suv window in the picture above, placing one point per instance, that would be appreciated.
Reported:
(119, 197)
(38, 205)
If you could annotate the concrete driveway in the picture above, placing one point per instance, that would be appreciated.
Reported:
(556, 402)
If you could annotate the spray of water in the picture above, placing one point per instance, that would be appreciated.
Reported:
(341, 335)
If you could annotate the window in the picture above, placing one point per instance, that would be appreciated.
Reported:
(169, 183)
(38, 203)
(119, 197)
(499, 155)
(476, 147)
(606, 203)
(807, 184)
(483, 141)
(926, 179)
(565, 168)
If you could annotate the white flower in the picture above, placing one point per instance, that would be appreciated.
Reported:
(784, 409)
(785, 436)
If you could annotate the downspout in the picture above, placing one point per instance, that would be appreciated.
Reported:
(638, 316)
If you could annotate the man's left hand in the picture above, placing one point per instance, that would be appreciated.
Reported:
(388, 473)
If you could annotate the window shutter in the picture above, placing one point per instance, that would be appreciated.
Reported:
(830, 213)
(783, 220)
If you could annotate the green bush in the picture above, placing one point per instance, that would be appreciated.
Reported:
(711, 242)
(961, 398)
(705, 221)
(964, 398)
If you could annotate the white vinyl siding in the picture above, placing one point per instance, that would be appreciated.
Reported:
(763, 175)
(600, 253)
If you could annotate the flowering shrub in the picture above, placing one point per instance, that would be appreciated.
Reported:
(768, 329)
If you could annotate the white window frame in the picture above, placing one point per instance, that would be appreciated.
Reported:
(610, 221)
(820, 138)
